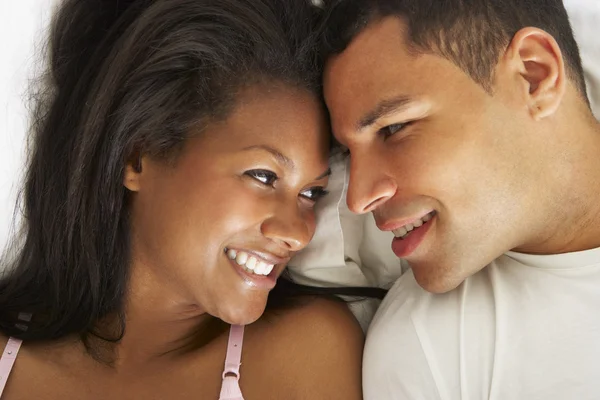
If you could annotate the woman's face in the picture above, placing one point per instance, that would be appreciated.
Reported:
(219, 225)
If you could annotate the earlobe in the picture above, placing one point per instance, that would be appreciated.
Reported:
(542, 68)
(133, 172)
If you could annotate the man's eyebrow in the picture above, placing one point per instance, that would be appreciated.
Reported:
(275, 153)
(384, 108)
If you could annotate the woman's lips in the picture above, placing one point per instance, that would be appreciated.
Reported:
(255, 271)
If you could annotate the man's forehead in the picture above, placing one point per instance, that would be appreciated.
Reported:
(365, 73)
(380, 42)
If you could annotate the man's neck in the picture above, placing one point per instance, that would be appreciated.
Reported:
(571, 219)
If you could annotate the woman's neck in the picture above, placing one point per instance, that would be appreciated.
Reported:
(159, 322)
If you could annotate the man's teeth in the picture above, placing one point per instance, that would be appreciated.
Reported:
(250, 263)
(406, 229)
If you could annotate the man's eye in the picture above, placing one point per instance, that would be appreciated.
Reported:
(314, 194)
(390, 130)
(265, 177)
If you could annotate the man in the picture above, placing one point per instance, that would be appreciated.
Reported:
(471, 138)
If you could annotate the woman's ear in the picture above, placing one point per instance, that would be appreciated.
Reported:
(133, 172)
(541, 66)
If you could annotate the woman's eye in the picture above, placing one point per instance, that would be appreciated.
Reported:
(314, 194)
(265, 177)
(390, 130)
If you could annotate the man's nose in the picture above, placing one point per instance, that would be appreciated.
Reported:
(369, 187)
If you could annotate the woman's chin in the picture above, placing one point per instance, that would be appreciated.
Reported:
(243, 314)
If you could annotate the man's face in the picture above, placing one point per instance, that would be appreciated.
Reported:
(431, 150)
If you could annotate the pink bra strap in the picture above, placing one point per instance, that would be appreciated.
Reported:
(7, 360)
(230, 389)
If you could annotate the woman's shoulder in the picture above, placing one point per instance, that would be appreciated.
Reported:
(318, 320)
(315, 348)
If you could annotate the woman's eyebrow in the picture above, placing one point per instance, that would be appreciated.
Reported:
(282, 159)
(324, 174)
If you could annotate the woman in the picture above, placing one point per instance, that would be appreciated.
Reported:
(177, 158)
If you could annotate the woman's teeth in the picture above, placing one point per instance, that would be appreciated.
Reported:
(406, 229)
(250, 263)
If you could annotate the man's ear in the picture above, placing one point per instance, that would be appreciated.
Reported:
(133, 172)
(540, 63)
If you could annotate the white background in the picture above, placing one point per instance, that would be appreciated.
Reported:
(21, 31)
(22, 25)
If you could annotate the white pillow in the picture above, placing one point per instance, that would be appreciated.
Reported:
(347, 249)
(585, 17)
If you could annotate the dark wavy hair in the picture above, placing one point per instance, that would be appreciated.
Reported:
(127, 78)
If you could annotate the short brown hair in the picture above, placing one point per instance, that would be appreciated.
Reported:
(470, 33)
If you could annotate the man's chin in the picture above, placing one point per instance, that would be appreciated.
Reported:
(435, 281)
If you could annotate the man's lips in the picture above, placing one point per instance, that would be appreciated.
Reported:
(391, 225)
(404, 246)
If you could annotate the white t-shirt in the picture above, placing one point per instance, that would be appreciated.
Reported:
(524, 328)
